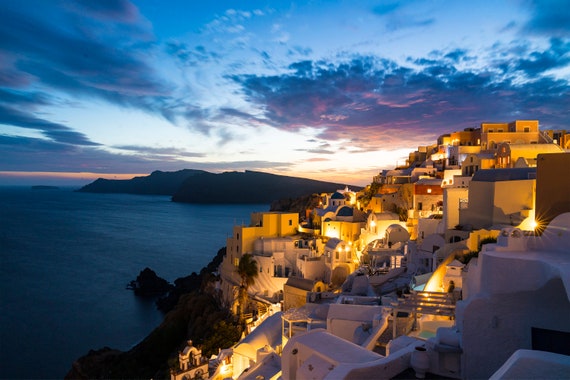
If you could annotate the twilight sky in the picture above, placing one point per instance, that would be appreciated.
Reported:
(333, 90)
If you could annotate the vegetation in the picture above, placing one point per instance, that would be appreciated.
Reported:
(487, 240)
(247, 270)
(365, 196)
(194, 313)
(224, 334)
(468, 256)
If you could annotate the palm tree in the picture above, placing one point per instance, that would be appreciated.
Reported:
(247, 270)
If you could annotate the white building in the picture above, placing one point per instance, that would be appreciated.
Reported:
(516, 296)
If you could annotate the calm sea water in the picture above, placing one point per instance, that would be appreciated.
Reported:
(66, 257)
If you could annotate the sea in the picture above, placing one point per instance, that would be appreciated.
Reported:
(66, 258)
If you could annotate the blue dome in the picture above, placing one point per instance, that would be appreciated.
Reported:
(345, 211)
(337, 195)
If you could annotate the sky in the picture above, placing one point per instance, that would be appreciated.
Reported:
(328, 90)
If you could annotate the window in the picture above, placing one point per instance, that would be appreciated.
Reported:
(290, 222)
(420, 205)
(526, 129)
(337, 255)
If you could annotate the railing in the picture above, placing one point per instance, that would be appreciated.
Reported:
(547, 139)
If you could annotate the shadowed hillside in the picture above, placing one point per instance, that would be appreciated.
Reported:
(248, 187)
(157, 183)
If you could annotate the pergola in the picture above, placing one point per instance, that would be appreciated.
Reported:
(432, 303)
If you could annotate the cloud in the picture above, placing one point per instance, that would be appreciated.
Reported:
(159, 152)
(557, 56)
(550, 18)
(82, 57)
(108, 10)
(398, 15)
(387, 7)
(57, 132)
(384, 103)
(190, 56)
(35, 154)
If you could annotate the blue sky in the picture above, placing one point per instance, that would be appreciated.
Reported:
(332, 90)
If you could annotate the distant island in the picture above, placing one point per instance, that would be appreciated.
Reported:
(157, 183)
(198, 186)
(44, 187)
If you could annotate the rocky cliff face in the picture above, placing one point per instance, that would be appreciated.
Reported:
(157, 183)
(193, 312)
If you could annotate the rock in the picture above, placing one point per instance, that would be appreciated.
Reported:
(149, 284)
(95, 365)
(193, 282)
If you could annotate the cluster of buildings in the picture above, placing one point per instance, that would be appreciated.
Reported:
(457, 265)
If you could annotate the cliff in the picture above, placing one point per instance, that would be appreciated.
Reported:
(193, 312)
(248, 187)
(157, 183)
(198, 186)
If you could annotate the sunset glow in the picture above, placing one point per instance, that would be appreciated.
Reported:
(326, 90)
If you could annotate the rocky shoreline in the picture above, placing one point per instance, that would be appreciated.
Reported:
(192, 311)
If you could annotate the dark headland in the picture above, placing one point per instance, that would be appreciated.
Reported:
(198, 186)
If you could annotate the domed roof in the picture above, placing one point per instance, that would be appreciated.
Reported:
(332, 243)
(345, 211)
(395, 227)
(337, 195)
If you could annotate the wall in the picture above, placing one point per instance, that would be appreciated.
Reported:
(497, 202)
(552, 195)
(495, 327)
(451, 197)
(480, 210)
(511, 197)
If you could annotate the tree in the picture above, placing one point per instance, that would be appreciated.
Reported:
(405, 200)
(247, 270)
